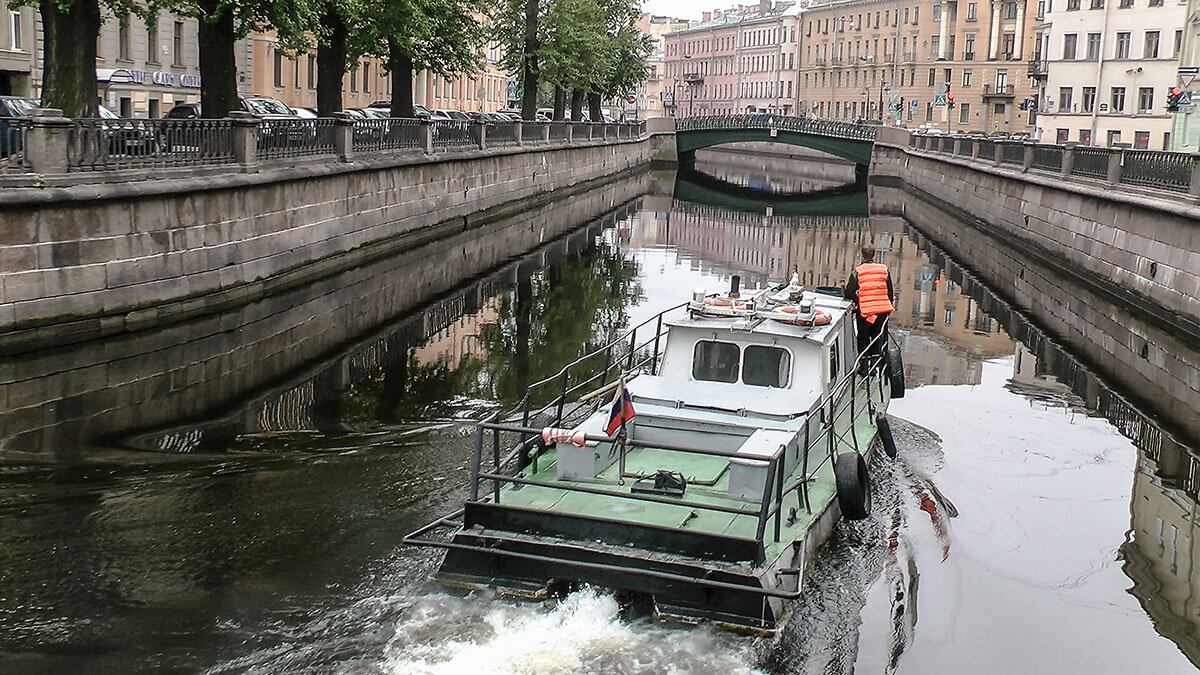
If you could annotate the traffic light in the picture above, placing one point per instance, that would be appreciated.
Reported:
(1173, 95)
(950, 100)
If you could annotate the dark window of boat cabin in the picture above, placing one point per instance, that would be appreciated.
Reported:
(766, 366)
(716, 361)
(833, 361)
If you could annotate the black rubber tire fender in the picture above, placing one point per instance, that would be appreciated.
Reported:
(895, 371)
(885, 434)
(853, 485)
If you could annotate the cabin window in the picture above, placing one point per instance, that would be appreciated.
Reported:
(766, 366)
(833, 361)
(715, 361)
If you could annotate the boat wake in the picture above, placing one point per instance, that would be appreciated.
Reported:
(581, 633)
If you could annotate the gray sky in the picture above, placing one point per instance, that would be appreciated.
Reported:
(682, 9)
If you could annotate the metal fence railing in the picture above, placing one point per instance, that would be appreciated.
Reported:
(452, 133)
(386, 134)
(806, 125)
(1170, 170)
(1048, 157)
(1012, 153)
(558, 131)
(296, 138)
(1092, 162)
(531, 132)
(104, 144)
(501, 133)
(12, 146)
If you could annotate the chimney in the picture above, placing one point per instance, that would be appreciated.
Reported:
(764, 6)
(707, 16)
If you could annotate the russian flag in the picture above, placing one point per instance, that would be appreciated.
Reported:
(622, 410)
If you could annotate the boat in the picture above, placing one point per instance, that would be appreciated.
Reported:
(694, 466)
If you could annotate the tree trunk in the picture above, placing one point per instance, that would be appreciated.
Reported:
(576, 104)
(331, 62)
(218, 68)
(594, 108)
(560, 103)
(69, 55)
(529, 73)
(402, 80)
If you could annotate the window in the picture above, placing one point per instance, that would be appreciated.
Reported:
(1041, 9)
(1001, 80)
(152, 40)
(1150, 48)
(15, 28)
(932, 76)
(969, 48)
(1156, 3)
(1088, 102)
(1178, 42)
(928, 112)
(1117, 99)
(834, 366)
(1114, 137)
(1097, 4)
(1122, 50)
(1125, 4)
(1145, 99)
(949, 77)
(766, 366)
(1093, 46)
(1009, 45)
(1072, 5)
(1141, 140)
(312, 71)
(964, 113)
(966, 78)
(1010, 10)
(916, 13)
(296, 73)
(278, 68)
(1064, 99)
(1085, 136)
(177, 44)
(354, 80)
(1069, 41)
(972, 11)
(714, 361)
(1062, 135)
(366, 71)
(123, 38)
(935, 45)
(937, 13)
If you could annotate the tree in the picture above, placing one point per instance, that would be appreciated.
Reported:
(517, 31)
(69, 55)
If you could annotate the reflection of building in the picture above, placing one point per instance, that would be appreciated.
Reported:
(1163, 548)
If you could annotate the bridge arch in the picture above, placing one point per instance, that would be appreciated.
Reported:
(848, 141)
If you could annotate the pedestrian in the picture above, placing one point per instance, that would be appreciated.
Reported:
(870, 286)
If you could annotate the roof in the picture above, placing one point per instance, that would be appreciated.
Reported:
(744, 15)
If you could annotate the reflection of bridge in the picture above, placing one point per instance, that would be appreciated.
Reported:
(840, 139)
(695, 186)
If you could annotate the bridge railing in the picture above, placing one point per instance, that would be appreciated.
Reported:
(1173, 171)
(802, 125)
(46, 144)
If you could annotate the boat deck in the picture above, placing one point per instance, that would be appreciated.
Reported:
(697, 468)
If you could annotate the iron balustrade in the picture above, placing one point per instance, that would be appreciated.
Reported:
(965, 146)
(558, 130)
(501, 133)
(987, 149)
(103, 144)
(12, 146)
(803, 125)
(1048, 157)
(531, 132)
(296, 138)
(1012, 153)
(1091, 162)
(452, 133)
(386, 134)
(946, 143)
(1169, 170)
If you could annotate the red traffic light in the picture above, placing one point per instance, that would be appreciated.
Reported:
(1175, 91)
(950, 96)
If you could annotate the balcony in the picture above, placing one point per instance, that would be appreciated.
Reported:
(1038, 69)
(994, 91)
(693, 78)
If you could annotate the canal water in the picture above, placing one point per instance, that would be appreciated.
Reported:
(1034, 521)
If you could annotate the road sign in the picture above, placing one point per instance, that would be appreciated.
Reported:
(1185, 98)
(941, 88)
(939, 100)
(892, 95)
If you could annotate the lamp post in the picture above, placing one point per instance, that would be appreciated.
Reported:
(882, 84)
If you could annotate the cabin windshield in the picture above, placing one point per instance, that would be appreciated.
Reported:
(759, 365)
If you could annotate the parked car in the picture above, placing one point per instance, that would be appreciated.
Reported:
(124, 136)
(11, 108)
(305, 113)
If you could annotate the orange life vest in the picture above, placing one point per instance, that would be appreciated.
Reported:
(872, 290)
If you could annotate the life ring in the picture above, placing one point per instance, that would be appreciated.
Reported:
(885, 435)
(819, 317)
(853, 485)
(895, 372)
(717, 302)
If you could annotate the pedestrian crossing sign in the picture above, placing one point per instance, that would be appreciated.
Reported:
(939, 100)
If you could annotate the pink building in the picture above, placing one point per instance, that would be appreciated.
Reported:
(734, 61)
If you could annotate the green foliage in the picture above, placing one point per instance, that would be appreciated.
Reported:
(442, 36)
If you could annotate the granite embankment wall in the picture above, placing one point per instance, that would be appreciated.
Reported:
(1114, 274)
(100, 259)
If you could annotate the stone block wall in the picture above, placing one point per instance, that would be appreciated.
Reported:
(91, 260)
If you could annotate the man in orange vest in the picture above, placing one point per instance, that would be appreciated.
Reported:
(870, 285)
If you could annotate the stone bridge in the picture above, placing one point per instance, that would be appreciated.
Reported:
(849, 141)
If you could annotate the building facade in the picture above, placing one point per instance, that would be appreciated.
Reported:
(648, 96)
(144, 68)
(18, 58)
(737, 61)
(898, 63)
(1185, 122)
(1109, 65)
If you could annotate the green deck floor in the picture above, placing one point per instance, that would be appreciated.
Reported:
(821, 489)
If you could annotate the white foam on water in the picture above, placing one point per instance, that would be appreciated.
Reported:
(580, 634)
